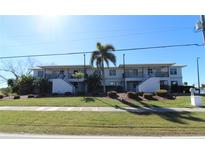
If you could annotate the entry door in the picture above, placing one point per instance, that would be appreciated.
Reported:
(163, 84)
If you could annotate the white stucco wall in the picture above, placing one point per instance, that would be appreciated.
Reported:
(60, 86)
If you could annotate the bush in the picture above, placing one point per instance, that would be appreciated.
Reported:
(25, 85)
(140, 93)
(112, 94)
(80, 93)
(134, 95)
(31, 96)
(55, 94)
(1, 96)
(181, 89)
(162, 93)
(148, 96)
(131, 95)
(17, 97)
(67, 94)
(42, 86)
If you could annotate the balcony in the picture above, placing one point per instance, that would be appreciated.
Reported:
(161, 74)
(69, 78)
(141, 75)
(133, 75)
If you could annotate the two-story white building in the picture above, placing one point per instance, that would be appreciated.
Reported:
(132, 77)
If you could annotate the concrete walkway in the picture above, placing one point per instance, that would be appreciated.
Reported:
(44, 136)
(100, 109)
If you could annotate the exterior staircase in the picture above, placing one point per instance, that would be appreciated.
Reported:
(61, 86)
(150, 84)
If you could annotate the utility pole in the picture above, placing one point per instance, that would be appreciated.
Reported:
(198, 74)
(200, 26)
(202, 20)
(84, 74)
(124, 71)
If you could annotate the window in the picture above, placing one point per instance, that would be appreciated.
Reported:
(173, 71)
(40, 74)
(112, 72)
(112, 83)
(135, 72)
(150, 71)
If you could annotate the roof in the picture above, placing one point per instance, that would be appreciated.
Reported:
(89, 66)
(147, 65)
(178, 65)
(64, 66)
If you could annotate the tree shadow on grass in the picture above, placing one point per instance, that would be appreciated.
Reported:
(108, 104)
(164, 113)
(87, 99)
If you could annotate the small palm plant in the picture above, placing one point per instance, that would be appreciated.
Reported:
(104, 53)
(78, 75)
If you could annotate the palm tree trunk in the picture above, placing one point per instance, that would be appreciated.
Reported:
(103, 76)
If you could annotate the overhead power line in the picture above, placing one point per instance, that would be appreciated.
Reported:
(86, 52)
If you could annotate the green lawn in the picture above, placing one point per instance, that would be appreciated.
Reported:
(63, 101)
(103, 123)
(180, 101)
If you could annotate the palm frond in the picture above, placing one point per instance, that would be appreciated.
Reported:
(109, 47)
(106, 61)
(94, 56)
(99, 47)
(111, 57)
(99, 62)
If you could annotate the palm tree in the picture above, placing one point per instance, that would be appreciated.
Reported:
(101, 55)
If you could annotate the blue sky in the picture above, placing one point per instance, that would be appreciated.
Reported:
(23, 35)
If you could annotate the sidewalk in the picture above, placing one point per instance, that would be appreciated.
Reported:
(100, 109)
(44, 136)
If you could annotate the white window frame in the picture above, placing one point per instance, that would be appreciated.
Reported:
(173, 71)
(40, 74)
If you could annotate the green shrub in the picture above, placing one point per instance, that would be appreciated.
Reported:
(80, 94)
(17, 97)
(162, 93)
(42, 86)
(1, 96)
(140, 93)
(148, 96)
(67, 94)
(30, 96)
(55, 94)
(112, 94)
(133, 95)
(25, 85)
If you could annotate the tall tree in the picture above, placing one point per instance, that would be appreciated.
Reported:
(17, 68)
(103, 54)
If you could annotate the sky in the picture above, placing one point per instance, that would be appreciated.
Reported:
(25, 35)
